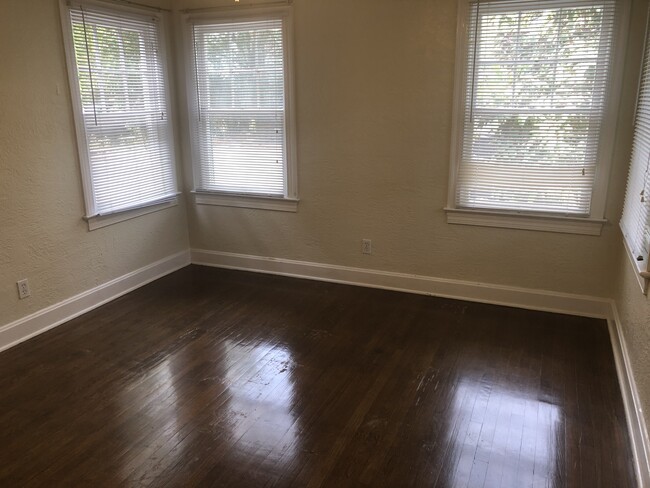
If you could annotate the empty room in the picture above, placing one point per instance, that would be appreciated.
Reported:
(324, 243)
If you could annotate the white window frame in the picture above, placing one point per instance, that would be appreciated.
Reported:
(94, 220)
(641, 267)
(288, 202)
(539, 221)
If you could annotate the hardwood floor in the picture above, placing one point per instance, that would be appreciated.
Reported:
(221, 378)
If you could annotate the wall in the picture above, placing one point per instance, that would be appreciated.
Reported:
(634, 312)
(42, 235)
(374, 84)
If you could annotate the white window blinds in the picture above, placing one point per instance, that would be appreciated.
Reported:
(635, 222)
(535, 93)
(126, 140)
(239, 133)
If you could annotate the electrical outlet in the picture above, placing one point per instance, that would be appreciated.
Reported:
(366, 246)
(23, 289)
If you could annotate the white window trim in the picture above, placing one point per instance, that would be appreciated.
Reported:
(641, 267)
(526, 221)
(94, 220)
(549, 222)
(290, 199)
(99, 221)
(246, 201)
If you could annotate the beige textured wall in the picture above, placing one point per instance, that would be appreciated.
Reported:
(374, 84)
(42, 236)
(634, 311)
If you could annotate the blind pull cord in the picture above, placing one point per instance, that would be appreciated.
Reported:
(196, 72)
(90, 68)
(644, 274)
(478, 18)
(645, 178)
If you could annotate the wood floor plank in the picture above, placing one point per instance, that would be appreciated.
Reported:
(212, 377)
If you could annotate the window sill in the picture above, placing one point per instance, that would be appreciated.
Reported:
(99, 221)
(544, 223)
(247, 201)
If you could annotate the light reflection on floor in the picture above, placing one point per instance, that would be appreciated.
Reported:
(480, 442)
(254, 410)
(260, 415)
(164, 403)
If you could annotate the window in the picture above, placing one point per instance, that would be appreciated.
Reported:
(121, 109)
(533, 92)
(635, 222)
(241, 109)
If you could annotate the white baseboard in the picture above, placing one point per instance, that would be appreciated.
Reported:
(633, 412)
(426, 285)
(47, 318)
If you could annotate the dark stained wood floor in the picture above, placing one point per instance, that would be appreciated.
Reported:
(221, 378)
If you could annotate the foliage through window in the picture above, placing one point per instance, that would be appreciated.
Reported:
(240, 126)
(535, 93)
(122, 114)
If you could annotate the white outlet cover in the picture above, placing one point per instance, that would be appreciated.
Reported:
(23, 289)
